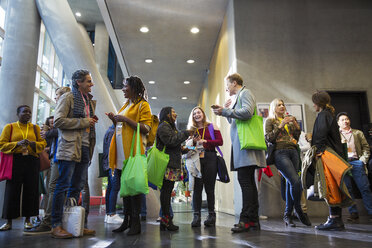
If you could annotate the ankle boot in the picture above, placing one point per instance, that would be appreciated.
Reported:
(211, 220)
(196, 221)
(288, 220)
(166, 223)
(125, 225)
(135, 227)
(303, 217)
(332, 224)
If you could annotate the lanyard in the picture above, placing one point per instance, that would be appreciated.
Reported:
(87, 110)
(347, 140)
(171, 126)
(23, 135)
(197, 130)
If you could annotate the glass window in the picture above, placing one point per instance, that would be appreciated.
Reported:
(1, 46)
(56, 69)
(47, 53)
(45, 86)
(42, 110)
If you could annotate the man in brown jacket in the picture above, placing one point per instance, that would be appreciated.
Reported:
(358, 155)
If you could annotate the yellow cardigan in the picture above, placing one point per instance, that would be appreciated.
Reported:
(143, 116)
(11, 147)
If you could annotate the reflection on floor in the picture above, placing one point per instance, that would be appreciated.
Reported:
(273, 234)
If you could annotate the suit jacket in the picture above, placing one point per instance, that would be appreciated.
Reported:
(245, 157)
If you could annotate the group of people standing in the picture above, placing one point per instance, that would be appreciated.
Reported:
(75, 120)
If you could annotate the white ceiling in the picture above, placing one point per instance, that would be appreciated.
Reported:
(169, 43)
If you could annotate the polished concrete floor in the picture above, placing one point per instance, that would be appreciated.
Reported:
(273, 234)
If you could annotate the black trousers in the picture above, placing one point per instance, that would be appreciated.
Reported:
(335, 211)
(132, 205)
(25, 173)
(165, 196)
(208, 166)
(250, 196)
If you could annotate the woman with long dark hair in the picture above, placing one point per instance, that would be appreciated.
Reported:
(167, 135)
(135, 110)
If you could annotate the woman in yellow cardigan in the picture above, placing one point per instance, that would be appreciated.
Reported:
(20, 139)
(135, 110)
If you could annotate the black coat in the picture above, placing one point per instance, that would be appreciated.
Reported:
(326, 133)
(172, 139)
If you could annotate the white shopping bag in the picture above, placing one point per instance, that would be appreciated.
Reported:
(73, 218)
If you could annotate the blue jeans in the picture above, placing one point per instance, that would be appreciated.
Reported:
(71, 180)
(112, 191)
(288, 162)
(361, 180)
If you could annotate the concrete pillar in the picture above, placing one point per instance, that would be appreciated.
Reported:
(18, 69)
(74, 54)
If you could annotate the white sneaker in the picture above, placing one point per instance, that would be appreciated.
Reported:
(115, 219)
(106, 218)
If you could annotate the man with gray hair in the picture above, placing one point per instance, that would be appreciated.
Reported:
(75, 119)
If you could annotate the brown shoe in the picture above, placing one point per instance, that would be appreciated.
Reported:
(59, 233)
(89, 232)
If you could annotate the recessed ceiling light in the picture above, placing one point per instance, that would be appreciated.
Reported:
(194, 30)
(190, 61)
(151, 82)
(78, 14)
(186, 82)
(144, 29)
(184, 98)
(154, 97)
(148, 61)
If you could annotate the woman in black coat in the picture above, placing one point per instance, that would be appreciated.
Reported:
(167, 135)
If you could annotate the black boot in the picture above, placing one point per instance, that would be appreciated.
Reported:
(303, 217)
(332, 224)
(125, 225)
(135, 227)
(196, 221)
(166, 223)
(288, 220)
(211, 220)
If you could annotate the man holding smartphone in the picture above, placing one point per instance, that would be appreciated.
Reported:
(244, 161)
(75, 119)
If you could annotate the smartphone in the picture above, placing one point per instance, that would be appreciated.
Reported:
(214, 106)
(196, 135)
(95, 117)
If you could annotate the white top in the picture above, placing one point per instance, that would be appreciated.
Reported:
(120, 156)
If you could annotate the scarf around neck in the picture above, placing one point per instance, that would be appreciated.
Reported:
(79, 106)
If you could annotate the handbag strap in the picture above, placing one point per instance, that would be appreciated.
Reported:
(211, 132)
(155, 145)
(136, 135)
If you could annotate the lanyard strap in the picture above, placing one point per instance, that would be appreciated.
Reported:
(23, 134)
(87, 109)
(197, 130)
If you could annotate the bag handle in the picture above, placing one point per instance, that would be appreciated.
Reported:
(241, 106)
(71, 202)
(136, 135)
(211, 132)
(155, 145)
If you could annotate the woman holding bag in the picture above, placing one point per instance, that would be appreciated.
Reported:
(135, 111)
(284, 131)
(208, 164)
(167, 135)
(20, 139)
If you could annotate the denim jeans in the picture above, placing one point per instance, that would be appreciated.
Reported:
(288, 161)
(71, 180)
(361, 180)
(112, 191)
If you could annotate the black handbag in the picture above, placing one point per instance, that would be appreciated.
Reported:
(223, 174)
(270, 157)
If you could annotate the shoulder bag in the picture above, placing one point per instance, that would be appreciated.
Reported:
(223, 174)
(43, 156)
(6, 162)
(250, 132)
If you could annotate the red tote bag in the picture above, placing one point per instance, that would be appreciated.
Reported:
(6, 162)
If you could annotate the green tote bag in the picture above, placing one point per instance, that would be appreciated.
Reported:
(157, 162)
(134, 176)
(250, 132)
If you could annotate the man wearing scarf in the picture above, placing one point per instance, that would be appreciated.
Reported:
(75, 120)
